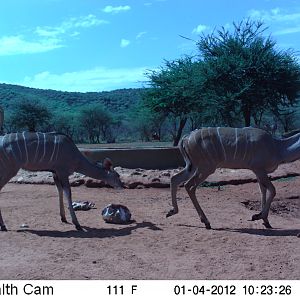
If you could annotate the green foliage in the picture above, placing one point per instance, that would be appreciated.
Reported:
(66, 107)
(96, 121)
(65, 123)
(30, 115)
(118, 101)
(175, 90)
(146, 122)
(245, 75)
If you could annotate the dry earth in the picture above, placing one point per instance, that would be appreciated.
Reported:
(153, 246)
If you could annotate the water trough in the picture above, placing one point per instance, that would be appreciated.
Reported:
(145, 158)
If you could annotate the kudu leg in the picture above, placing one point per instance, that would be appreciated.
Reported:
(67, 190)
(176, 180)
(3, 181)
(264, 180)
(60, 197)
(2, 225)
(263, 192)
(191, 186)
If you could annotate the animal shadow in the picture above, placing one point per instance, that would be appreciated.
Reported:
(263, 231)
(253, 231)
(90, 232)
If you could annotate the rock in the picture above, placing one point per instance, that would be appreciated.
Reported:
(94, 183)
(77, 182)
(24, 226)
(167, 174)
(134, 184)
(155, 180)
(136, 173)
(140, 178)
(157, 185)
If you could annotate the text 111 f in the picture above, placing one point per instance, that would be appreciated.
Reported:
(120, 290)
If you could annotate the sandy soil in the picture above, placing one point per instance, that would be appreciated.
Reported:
(153, 246)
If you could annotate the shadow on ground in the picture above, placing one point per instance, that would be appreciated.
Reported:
(264, 232)
(253, 231)
(90, 232)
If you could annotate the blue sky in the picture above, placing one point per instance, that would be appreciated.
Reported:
(96, 45)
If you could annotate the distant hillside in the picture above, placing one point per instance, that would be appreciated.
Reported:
(117, 101)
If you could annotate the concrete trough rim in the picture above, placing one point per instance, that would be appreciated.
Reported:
(144, 158)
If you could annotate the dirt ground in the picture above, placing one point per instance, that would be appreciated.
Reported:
(153, 246)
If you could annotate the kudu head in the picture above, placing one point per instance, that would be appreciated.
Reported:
(112, 177)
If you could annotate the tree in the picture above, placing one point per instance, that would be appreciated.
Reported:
(96, 121)
(1, 120)
(245, 75)
(288, 119)
(175, 91)
(64, 123)
(147, 122)
(30, 115)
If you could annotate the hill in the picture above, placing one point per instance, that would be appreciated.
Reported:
(117, 101)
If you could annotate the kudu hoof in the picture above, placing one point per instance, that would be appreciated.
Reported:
(267, 224)
(64, 220)
(78, 227)
(3, 228)
(171, 213)
(206, 223)
(256, 217)
(207, 226)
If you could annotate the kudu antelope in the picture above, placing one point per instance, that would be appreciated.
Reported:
(204, 150)
(50, 152)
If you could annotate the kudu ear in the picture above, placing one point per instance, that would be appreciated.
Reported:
(107, 164)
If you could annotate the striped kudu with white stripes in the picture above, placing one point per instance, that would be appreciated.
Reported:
(206, 149)
(35, 151)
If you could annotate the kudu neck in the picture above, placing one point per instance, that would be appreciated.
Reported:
(290, 148)
(92, 170)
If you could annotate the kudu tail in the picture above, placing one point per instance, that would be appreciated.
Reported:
(182, 147)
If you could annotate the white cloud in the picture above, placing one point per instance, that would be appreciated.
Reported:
(285, 21)
(47, 38)
(75, 33)
(140, 34)
(227, 26)
(97, 79)
(68, 26)
(115, 9)
(124, 43)
(13, 45)
(199, 29)
(288, 30)
(275, 14)
(86, 21)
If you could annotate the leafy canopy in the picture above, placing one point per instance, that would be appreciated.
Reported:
(30, 115)
(245, 74)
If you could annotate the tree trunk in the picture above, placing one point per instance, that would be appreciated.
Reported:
(247, 116)
(182, 123)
